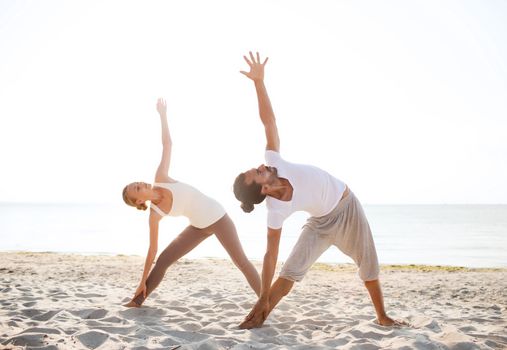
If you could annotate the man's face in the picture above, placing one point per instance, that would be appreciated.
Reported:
(261, 175)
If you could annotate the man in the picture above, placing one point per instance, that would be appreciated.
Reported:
(337, 217)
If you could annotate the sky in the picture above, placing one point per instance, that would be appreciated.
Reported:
(405, 101)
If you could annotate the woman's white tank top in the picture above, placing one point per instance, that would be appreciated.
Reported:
(201, 210)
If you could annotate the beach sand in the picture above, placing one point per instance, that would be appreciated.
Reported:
(64, 301)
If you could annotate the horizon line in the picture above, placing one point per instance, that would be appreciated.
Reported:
(4, 203)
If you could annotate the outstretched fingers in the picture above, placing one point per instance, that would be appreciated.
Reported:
(248, 61)
(161, 105)
(252, 57)
(256, 72)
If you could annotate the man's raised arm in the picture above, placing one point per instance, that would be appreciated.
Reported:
(267, 116)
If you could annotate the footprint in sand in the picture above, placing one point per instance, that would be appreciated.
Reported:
(287, 319)
(284, 307)
(30, 340)
(362, 317)
(179, 309)
(208, 311)
(308, 334)
(378, 335)
(234, 314)
(227, 344)
(336, 343)
(92, 339)
(90, 314)
(41, 330)
(89, 295)
(283, 325)
(29, 304)
(426, 322)
(113, 319)
(191, 326)
(29, 298)
(142, 312)
(322, 303)
(467, 329)
(312, 323)
(13, 324)
(71, 330)
(205, 323)
(30, 312)
(199, 307)
(175, 302)
(167, 343)
(116, 330)
(267, 334)
(213, 329)
(228, 306)
(187, 337)
(246, 306)
(313, 313)
(38, 315)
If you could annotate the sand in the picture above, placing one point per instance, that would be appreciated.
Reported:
(64, 301)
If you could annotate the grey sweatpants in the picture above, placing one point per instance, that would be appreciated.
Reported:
(347, 228)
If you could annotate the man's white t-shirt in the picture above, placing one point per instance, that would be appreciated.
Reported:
(314, 190)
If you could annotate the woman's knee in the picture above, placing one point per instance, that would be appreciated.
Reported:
(242, 263)
(165, 259)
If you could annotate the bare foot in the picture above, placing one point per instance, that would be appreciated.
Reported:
(245, 325)
(249, 324)
(389, 322)
(132, 303)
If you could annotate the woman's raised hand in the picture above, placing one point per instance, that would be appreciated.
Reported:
(161, 106)
(256, 72)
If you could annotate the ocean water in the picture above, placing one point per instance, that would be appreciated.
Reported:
(455, 235)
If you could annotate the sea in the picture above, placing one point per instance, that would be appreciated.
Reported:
(445, 235)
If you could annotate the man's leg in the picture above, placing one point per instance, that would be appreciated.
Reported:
(355, 239)
(307, 250)
(378, 302)
(278, 290)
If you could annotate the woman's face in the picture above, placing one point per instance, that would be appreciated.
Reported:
(139, 192)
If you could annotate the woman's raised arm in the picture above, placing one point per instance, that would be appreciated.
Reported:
(162, 174)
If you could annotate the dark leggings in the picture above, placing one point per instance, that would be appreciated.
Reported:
(190, 238)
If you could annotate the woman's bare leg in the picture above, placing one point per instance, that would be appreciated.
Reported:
(181, 245)
(226, 233)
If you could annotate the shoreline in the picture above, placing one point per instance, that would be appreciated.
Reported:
(71, 301)
(330, 266)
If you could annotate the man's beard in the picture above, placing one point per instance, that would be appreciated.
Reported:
(273, 171)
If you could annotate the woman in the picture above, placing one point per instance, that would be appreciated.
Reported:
(337, 217)
(169, 197)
